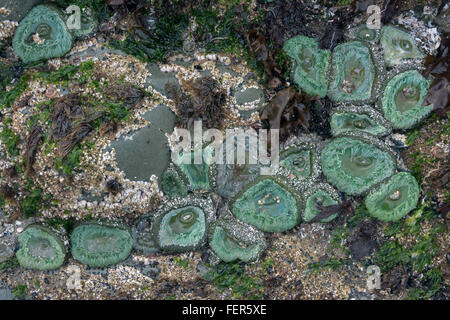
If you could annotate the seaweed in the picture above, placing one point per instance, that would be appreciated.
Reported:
(258, 47)
(327, 211)
(7, 192)
(439, 92)
(34, 139)
(10, 139)
(64, 110)
(32, 203)
(288, 111)
(206, 101)
(9, 97)
(73, 138)
(389, 10)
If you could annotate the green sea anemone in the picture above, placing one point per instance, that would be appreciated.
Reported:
(40, 248)
(181, 225)
(352, 73)
(354, 119)
(402, 100)
(42, 34)
(88, 24)
(363, 33)
(232, 240)
(232, 177)
(393, 200)
(398, 45)
(311, 64)
(353, 165)
(172, 185)
(268, 204)
(320, 195)
(197, 176)
(101, 244)
(300, 160)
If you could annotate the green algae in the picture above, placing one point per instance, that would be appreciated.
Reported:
(267, 204)
(311, 64)
(398, 45)
(40, 248)
(396, 198)
(352, 72)
(48, 24)
(353, 166)
(402, 99)
(100, 244)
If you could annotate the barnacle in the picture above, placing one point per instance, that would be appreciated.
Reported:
(321, 195)
(197, 176)
(269, 204)
(232, 240)
(311, 64)
(398, 45)
(354, 165)
(41, 248)
(394, 199)
(402, 99)
(42, 34)
(101, 244)
(181, 225)
(352, 73)
(354, 119)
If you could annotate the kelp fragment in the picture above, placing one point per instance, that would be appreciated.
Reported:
(288, 111)
(33, 141)
(70, 141)
(439, 92)
(206, 101)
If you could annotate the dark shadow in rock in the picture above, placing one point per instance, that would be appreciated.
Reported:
(363, 242)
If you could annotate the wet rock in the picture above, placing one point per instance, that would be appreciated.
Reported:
(142, 153)
(162, 117)
(18, 8)
(158, 79)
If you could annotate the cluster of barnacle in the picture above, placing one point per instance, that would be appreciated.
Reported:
(43, 33)
(313, 175)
